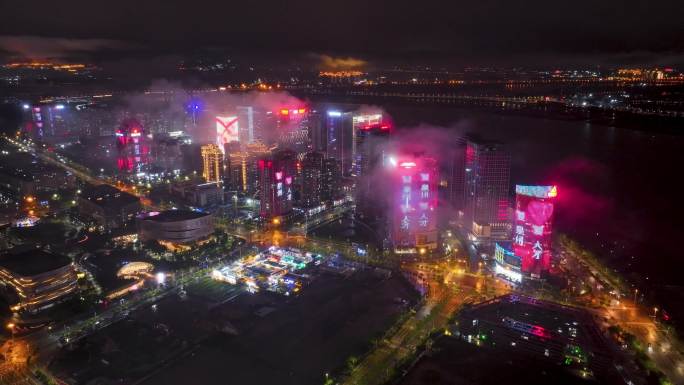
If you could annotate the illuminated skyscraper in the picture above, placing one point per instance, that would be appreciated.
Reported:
(455, 175)
(332, 180)
(236, 171)
(414, 204)
(317, 131)
(370, 133)
(533, 225)
(227, 131)
(338, 138)
(241, 168)
(245, 116)
(312, 179)
(487, 181)
(276, 177)
(292, 127)
(212, 163)
(48, 120)
(133, 150)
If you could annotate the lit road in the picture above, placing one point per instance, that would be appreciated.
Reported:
(81, 172)
(449, 287)
(50, 158)
(634, 318)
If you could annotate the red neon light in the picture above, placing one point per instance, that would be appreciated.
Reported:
(302, 110)
(407, 164)
(284, 111)
(539, 212)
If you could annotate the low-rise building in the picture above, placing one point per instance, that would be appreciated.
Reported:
(175, 226)
(108, 206)
(34, 279)
(199, 195)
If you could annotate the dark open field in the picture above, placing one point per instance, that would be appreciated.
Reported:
(262, 338)
(301, 340)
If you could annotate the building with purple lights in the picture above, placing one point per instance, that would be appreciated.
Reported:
(414, 205)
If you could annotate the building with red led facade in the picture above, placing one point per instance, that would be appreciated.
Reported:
(414, 204)
(276, 181)
(533, 226)
(133, 150)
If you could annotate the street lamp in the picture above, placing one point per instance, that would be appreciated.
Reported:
(655, 311)
(11, 326)
(635, 295)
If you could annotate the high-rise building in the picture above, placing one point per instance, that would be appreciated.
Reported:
(264, 125)
(312, 179)
(47, 120)
(192, 157)
(292, 127)
(166, 154)
(533, 225)
(235, 176)
(245, 116)
(212, 163)
(227, 131)
(317, 131)
(242, 173)
(487, 183)
(414, 204)
(370, 146)
(276, 182)
(455, 175)
(331, 186)
(370, 133)
(133, 150)
(338, 138)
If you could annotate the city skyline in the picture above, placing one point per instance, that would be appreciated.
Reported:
(352, 193)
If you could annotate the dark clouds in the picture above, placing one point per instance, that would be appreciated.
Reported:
(484, 28)
(51, 47)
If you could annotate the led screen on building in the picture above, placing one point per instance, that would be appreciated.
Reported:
(415, 203)
(366, 121)
(226, 130)
(532, 229)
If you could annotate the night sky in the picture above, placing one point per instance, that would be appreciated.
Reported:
(483, 31)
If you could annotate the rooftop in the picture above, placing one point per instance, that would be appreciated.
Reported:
(30, 262)
(108, 197)
(174, 215)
